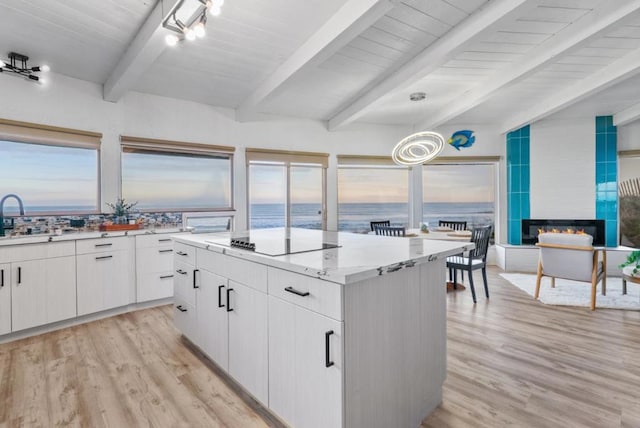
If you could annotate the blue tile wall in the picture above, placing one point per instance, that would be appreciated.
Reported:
(518, 189)
(607, 177)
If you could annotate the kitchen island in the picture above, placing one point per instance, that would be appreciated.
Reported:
(325, 329)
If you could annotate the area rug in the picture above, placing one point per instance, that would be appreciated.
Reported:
(573, 293)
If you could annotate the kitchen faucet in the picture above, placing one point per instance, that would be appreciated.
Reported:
(17, 198)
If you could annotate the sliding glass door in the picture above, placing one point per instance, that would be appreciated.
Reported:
(286, 195)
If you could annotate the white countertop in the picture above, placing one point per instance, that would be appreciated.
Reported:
(358, 257)
(71, 236)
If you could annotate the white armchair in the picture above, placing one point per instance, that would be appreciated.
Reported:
(571, 256)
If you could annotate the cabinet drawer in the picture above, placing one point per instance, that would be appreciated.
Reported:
(185, 319)
(154, 285)
(153, 240)
(315, 294)
(243, 271)
(184, 286)
(184, 253)
(16, 253)
(88, 246)
(150, 260)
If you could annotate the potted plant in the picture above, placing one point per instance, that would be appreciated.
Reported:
(121, 210)
(631, 266)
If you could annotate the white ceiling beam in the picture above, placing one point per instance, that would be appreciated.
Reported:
(616, 72)
(438, 53)
(573, 37)
(627, 115)
(143, 51)
(347, 24)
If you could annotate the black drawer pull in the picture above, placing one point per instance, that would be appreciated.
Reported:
(19, 275)
(166, 276)
(164, 240)
(220, 305)
(181, 309)
(194, 278)
(294, 291)
(180, 253)
(103, 257)
(165, 251)
(181, 272)
(327, 357)
(1, 277)
(229, 309)
(104, 245)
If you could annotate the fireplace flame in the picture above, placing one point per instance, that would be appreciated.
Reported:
(569, 231)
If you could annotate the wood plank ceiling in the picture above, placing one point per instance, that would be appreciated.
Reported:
(502, 62)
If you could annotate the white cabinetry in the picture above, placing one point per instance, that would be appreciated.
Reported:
(184, 291)
(43, 284)
(105, 274)
(305, 366)
(154, 267)
(212, 316)
(5, 298)
(230, 300)
(248, 341)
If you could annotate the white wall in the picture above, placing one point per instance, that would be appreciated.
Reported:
(563, 168)
(73, 103)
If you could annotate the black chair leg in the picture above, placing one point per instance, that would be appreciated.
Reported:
(484, 278)
(473, 290)
(455, 279)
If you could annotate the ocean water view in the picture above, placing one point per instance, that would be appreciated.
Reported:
(355, 217)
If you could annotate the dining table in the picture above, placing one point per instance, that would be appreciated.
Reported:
(443, 234)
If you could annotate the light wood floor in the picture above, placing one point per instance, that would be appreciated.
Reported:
(511, 362)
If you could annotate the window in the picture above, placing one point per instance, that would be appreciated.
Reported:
(53, 170)
(286, 189)
(460, 191)
(171, 176)
(629, 198)
(371, 188)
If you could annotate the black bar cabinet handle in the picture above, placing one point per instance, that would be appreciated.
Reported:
(104, 245)
(294, 291)
(103, 257)
(229, 309)
(19, 275)
(164, 240)
(180, 308)
(180, 253)
(165, 251)
(181, 272)
(220, 305)
(194, 278)
(1, 277)
(166, 276)
(327, 358)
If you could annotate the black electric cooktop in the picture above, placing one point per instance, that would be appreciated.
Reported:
(275, 244)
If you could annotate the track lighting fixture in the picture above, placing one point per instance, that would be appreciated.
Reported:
(17, 63)
(187, 20)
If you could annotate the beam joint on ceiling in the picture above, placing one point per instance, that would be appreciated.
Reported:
(347, 24)
(627, 115)
(572, 38)
(143, 51)
(616, 72)
(431, 58)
